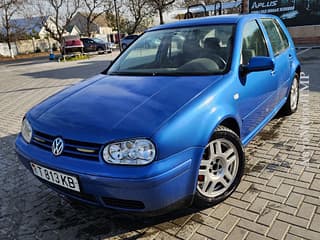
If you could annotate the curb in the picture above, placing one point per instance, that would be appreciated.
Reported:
(306, 47)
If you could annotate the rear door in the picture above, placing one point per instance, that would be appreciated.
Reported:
(281, 55)
(258, 91)
(85, 44)
(89, 45)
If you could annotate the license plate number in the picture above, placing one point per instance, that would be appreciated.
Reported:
(55, 177)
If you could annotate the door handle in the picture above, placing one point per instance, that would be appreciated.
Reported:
(273, 73)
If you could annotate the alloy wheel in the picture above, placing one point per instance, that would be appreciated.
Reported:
(218, 168)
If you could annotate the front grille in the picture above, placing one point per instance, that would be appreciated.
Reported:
(123, 203)
(75, 149)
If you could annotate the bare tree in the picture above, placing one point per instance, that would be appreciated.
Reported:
(140, 12)
(111, 20)
(110, 16)
(160, 6)
(61, 12)
(94, 9)
(9, 9)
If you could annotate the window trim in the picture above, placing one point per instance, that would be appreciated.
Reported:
(282, 34)
(262, 34)
(278, 29)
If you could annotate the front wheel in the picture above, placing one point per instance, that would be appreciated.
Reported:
(221, 168)
(100, 50)
(291, 104)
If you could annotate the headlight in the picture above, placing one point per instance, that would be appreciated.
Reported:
(131, 152)
(26, 130)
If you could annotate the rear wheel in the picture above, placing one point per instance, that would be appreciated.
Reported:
(291, 104)
(221, 168)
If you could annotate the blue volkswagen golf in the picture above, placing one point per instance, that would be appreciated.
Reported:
(166, 123)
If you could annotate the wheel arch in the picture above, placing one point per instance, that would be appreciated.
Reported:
(298, 70)
(232, 124)
(295, 70)
(226, 129)
(229, 121)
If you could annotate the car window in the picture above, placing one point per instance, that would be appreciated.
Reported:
(283, 36)
(279, 41)
(87, 40)
(145, 51)
(176, 46)
(181, 51)
(98, 40)
(253, 42)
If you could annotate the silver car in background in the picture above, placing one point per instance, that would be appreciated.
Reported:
(125, 42)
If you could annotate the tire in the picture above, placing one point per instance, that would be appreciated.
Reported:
(216, 180)
(291, 104)
(100, 50)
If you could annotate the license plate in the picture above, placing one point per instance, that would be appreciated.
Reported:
(55, 177)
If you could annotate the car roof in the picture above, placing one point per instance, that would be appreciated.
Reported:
(222, 19)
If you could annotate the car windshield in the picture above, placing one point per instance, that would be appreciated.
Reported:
(98, 40)
(201, 50)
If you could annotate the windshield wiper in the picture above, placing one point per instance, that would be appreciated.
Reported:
(132, 73)
(164, 73)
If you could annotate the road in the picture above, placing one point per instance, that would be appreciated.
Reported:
(278, 197)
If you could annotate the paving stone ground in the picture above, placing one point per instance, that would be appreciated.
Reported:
(278, 197)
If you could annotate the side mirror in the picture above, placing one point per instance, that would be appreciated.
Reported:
(257, 64)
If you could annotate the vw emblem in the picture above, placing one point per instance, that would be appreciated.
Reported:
(57, 146)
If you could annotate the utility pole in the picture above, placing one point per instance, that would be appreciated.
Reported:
(117, 22)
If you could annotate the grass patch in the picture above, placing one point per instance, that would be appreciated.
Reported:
(74, 57)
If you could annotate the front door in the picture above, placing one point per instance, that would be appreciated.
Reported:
(258, 91)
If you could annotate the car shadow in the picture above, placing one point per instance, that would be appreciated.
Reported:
(40, 212)
(81, 70)
(26, 61)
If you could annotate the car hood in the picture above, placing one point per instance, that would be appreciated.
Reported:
(105, 108)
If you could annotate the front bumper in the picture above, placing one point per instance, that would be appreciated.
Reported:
(157, 186)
